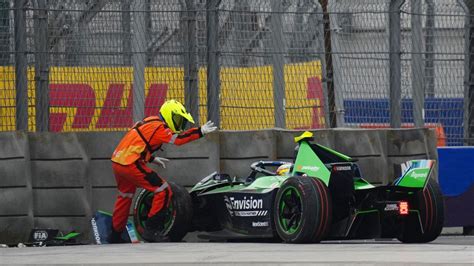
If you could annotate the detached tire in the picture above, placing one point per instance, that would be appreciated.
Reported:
(302, 210)
(431, 207)
(180, 212)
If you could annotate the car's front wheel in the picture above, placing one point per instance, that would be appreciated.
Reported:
(178, 220)
(302, 210)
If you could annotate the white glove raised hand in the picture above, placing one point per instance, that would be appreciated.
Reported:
(208, 128)
(160, 161)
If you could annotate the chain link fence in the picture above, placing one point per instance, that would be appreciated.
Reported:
(248, 64)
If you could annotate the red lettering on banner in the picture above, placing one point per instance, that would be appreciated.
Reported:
(80, 96)
(155, 99)
(315, 91)
(112, 115)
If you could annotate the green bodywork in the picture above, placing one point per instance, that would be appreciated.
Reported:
(262, 184)
(360, 183)
(308, 163)
(415, 178)
(417, 175)
(68, 236)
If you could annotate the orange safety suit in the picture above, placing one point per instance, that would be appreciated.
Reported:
(129, 166)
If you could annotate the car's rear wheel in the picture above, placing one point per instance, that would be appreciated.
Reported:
(302, 210)
(179, 216)
(425, 225)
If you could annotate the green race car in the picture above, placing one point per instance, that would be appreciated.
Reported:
(322, 197)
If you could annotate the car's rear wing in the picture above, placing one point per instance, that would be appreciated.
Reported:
(415, 174)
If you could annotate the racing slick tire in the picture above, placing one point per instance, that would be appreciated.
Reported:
(302, 210)
(431, 216)
(180, 212)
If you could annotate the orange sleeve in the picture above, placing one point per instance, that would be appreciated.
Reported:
(165, 135)
(186, 136)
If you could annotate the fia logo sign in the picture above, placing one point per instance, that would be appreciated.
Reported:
(40, 235)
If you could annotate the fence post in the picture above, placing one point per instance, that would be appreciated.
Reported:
(5, 31)
(148, 25)
(395, 63)
(138, 59)
(126, 40)
(191, 90)
(417, 64)
(278, 62)
(213, 68)
(336, 113)
(429, 49)
(21, 68)
(322, 57)
(41, 66)
(469, 75)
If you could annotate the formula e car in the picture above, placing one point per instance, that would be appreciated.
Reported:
(323, 197)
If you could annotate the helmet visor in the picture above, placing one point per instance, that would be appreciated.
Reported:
(179, 122)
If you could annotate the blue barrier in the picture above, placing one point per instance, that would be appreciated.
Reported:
(456, 178)
(446, 111)
(456, 170)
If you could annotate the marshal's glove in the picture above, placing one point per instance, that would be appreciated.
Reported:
(208, 128)
(160, 161)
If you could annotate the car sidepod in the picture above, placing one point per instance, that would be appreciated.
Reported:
(246, 213)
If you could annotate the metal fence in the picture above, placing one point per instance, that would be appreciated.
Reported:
(248, 64)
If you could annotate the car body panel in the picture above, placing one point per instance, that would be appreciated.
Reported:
(308, 163)
(416, 174)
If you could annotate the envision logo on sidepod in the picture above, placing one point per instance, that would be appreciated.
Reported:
(245, 206)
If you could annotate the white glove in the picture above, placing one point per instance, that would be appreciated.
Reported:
(208, 128)
(160, 161)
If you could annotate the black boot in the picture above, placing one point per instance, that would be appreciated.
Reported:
(154, 227)
(115, 237)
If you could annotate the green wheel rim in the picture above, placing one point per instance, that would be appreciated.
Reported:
(290, 210)
(144, 209)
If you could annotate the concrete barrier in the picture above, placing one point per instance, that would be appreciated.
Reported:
(58, 180)
(16, 196)
(238, 149)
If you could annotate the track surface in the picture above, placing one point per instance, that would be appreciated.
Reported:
(445, 250)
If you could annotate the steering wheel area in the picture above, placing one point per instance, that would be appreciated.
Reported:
(259, 167)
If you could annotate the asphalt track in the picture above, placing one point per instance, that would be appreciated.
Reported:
(444, 250)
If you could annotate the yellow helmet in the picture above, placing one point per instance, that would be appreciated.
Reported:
(284, 169)
(175, 116)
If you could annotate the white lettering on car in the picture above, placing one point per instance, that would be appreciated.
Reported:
(259, 224)
(245, 207)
